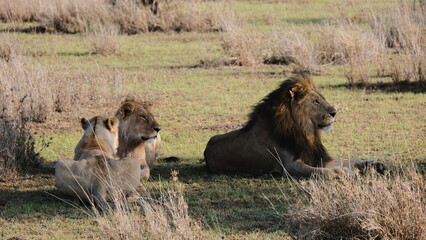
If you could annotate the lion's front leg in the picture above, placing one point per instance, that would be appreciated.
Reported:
(300, 169)
(362, 165)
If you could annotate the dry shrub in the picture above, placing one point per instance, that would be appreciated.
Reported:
(37, 91)
(244, 49)
(17, 11)
(72, 16)
(362, 207)
(17, 148)
(104, 40)
(133, 16)
(163, 215)
(294, 47)
(407, 68)
(354, 47)
(359, 51)
(401, 27)
(186, 16)
(26, 90)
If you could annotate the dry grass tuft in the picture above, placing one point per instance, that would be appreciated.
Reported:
(162, 215)
(295, 48)
(244, 49)
(362, 207)
(401, 27)
(104, 40)
(8, 47)
(26, 91)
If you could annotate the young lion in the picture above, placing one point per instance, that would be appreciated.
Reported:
(94, 172)
(139, 135)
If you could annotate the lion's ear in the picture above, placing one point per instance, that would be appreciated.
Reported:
(295, 91)
(84, 123)
(111, 122)
(147, 105)
(126, 109)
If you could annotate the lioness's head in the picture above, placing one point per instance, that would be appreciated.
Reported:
(137, 122)
(306, 101)
(99, 133)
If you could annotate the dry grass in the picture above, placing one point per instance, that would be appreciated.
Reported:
(39, 90)
(407, 68)
(8, 47)
(104, 40)
(73, 16)
(244, 49)
(362, 207)
(162, 215)
(401, 27)
(296, 48)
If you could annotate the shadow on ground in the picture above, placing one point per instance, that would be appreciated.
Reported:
(403, 86)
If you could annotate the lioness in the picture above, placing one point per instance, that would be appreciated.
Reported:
(138, 135)
(282, 135)
(94, 172)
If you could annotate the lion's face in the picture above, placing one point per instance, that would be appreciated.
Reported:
(138, 124)
(321, 113)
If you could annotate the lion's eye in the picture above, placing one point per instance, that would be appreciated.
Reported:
(143, 117)
(316, 101)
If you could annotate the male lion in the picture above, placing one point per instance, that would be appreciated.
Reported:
(94, 172)
(282, 135)
(138, 135)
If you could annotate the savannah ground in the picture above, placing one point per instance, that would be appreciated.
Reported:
(194, 101)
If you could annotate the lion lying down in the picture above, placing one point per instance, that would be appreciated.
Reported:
(94, 175)
(283, 135)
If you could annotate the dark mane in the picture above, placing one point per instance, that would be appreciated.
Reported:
(273, 111)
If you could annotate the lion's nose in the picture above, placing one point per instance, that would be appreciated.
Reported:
(333, 113)
(157, 129)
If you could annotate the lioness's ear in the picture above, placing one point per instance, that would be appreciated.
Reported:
(84, 123)
(111, 122)
(126, 109)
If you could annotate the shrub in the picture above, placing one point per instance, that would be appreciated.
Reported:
(17, 149)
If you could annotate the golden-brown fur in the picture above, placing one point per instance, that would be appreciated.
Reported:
(138, 135)
(282, 135)
(95, 170)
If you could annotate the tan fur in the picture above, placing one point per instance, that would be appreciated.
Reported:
(95, 171)
(138, 135)
(282, 135)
